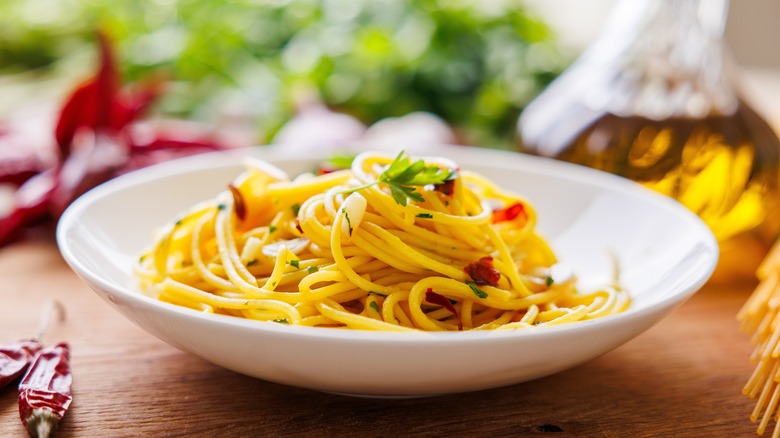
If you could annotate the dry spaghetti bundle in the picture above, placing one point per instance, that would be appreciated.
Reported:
(760, 317)
(386, 244)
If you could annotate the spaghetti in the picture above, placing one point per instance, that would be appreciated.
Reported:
(760, 317)
(387, 244)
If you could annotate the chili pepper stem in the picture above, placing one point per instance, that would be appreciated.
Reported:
(42, 423)
(45, 321)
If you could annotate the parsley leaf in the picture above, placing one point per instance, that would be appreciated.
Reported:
(349, 222)
(477, 291)
(403, 176)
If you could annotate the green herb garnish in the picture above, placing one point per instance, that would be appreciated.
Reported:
(403, 177)
(221, 206)
(282, 321)
(425, 215)
(340, 161)
(271, 229)
(312, 269)
(296, 208)
(375, 306)
(477, 291)
(349, 222)
(549, 281)
(295, 264)
(377, 294)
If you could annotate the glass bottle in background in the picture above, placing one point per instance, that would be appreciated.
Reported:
(655, 99)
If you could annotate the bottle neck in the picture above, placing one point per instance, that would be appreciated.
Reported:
(665, 58)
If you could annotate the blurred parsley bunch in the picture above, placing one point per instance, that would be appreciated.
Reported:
(474, 63)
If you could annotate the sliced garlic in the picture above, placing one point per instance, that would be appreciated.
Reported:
(251, 247)
(296, 246)
(353, 209)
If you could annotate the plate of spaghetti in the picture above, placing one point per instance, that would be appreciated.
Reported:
(428, 271)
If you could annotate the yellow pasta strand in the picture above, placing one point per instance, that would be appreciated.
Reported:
(341, 251)
(760, 317)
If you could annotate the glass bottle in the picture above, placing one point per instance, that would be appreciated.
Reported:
(655, 99)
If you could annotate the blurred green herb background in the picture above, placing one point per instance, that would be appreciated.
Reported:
(475, 64)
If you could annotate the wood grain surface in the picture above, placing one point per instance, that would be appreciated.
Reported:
(681, 378)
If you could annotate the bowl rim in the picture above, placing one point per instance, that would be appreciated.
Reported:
(224, 159)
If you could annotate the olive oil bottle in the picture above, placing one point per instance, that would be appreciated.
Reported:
(655, 99)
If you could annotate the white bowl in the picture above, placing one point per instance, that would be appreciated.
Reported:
(665, 253)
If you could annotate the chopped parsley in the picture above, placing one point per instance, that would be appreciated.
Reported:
(349, 222)
(403, 177)
(295, 264)
(312, 269)
(374, 305)
(271, 229)
(377, 294)
(296, 208)
(477, 291)
(221, 206)
(425, 215)
(549, 281)
(251, 263)
(282, 321)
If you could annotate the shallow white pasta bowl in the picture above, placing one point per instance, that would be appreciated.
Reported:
(665, 254)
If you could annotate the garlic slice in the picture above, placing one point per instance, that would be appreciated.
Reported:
(353, 209)
(296, 246)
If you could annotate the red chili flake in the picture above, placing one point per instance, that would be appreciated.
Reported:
(15, 358)
(239, 206)
(446, 188)
(510, 213)
(298, 226)
(45, 391)
(483, 272)
(434, 298)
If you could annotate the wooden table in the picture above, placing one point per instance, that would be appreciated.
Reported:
(681, 378)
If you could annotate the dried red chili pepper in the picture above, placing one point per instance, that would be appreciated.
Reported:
(239, 206)
(434, 298)
(45, 391)
(446, 188)
(96, 139)
(510, 213)
(483, 272)
(15, 358)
